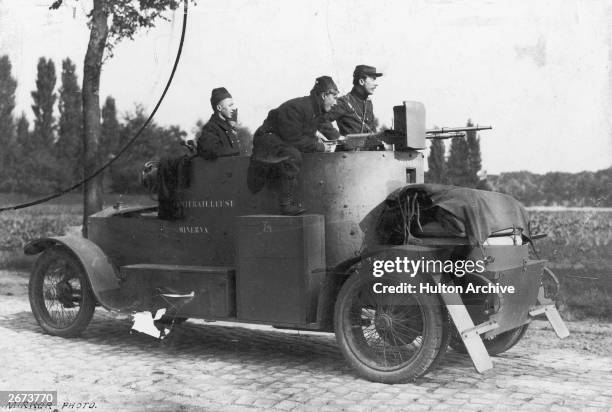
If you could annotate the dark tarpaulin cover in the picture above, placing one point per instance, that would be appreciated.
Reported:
(477, 213)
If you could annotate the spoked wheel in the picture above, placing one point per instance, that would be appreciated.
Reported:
(496, 345)
(60, 296)
(389, 338)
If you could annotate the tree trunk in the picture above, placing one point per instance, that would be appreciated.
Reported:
(92, 190)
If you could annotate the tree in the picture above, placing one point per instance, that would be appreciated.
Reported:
(44, 99)
(156, 140)
(19, 173)
(474, 161)
(23, 130)
(436, 163)
(69, 143)
(8, 85)
(110, 134)
(127, 18)
(109, 138)
(37, 160)
(457, 165)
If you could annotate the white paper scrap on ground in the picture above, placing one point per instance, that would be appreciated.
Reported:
(143, 322)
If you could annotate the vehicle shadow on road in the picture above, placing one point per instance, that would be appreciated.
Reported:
(197, 342)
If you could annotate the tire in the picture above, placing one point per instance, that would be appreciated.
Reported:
(447, 333)
(60, 295)
(479, 309)
(496, 345)
(389, 338)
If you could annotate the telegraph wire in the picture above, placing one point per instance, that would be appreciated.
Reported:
(128, 144)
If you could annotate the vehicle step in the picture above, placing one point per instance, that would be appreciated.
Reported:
(156, 268)
(186, 291)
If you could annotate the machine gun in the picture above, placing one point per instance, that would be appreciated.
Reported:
(402, 139)
(451, 132)
(408, 131)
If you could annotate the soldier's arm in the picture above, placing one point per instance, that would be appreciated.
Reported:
(291, 125)
(329, 131)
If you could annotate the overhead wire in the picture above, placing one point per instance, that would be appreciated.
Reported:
(127, 145)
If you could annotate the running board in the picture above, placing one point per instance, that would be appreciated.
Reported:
(470, 333)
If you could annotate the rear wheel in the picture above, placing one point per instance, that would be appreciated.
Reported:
(389, 338)
(60, 296)
(496, 345)
(480, 306)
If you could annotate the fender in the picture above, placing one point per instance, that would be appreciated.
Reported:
(100, 271)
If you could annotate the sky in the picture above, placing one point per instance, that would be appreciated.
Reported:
(539, 72)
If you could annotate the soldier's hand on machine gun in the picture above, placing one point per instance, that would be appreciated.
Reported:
(330, 145)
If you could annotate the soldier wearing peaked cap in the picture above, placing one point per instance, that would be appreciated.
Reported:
(218, 137)
(354, 112)
(290, 130)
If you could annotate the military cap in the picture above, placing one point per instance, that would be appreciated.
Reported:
(325, 84)
(218, 95)
(363, 70)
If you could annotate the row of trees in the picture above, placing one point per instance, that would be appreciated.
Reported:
(558, 188)
(462, 165)
(49, 156)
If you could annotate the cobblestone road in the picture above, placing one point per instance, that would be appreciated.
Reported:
(219, 368)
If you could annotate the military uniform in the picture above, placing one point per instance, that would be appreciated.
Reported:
(279, 142)
(354, 113)
(290, 130)
(218, 138)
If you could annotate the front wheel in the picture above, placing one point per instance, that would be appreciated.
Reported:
(60, 296)
(390, 338)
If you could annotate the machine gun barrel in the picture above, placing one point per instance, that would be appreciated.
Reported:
(445, 130)
(448, 135)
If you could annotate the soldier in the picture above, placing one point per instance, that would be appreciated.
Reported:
(354, 112)
(218, 137)
(288, 131)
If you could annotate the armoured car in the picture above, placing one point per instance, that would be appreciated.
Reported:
(349, 266)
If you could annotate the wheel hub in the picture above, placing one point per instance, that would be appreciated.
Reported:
(383, 322)
(64, 294)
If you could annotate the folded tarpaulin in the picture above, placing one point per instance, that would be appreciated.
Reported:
(173, 176)
(475, 214)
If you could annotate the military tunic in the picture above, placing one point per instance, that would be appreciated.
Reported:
(218, 138)
(287, 132)
(354, 113)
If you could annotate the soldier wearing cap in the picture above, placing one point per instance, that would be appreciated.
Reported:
(354, 112)
(218, 137)
(288, 131)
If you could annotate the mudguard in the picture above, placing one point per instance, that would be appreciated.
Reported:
(100, 271)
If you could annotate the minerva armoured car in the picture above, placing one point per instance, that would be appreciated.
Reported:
(339, 268)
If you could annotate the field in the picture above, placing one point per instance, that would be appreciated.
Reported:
(579, 249)
(578, 245)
